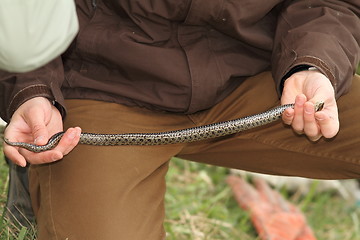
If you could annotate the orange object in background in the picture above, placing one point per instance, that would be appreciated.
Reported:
(273, 217)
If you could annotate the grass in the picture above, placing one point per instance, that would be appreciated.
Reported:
(201, 206)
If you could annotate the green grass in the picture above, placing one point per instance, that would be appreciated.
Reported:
(200, 205)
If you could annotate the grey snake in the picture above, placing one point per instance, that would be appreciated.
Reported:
(170, 137)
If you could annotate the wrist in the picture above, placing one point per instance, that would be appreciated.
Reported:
(296, 69)
(29, 93)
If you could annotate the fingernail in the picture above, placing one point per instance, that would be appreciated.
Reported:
(38, 139)
(300, 103)
(300, 100)
(22, 164)
(309, 110)
(56, 157)
(71, 135)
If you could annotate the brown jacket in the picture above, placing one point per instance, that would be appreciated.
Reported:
(186, 55)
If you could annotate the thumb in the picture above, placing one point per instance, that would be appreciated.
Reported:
(36, 122)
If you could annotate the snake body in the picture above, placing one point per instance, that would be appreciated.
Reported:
(170, 137)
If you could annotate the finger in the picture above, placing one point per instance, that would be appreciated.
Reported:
(311, 127)
(265, 191)
(66, 144)
(37, 125)
(329, 126)
(271, 196)
(244, 193)
(42, 157)
(298, 121)
(288, 116)
(282, 204)
(13, 154)
(69, 140)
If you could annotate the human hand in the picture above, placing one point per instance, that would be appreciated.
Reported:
(36, 121)
(307, 88)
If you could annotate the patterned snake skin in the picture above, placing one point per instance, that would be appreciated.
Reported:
(172, 137)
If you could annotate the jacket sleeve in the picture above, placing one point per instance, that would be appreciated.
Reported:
(16, 88)
(320, 33)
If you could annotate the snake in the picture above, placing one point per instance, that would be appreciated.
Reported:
(186, 135)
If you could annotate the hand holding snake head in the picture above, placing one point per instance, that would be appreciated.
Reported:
(307, 88)
(35, 121)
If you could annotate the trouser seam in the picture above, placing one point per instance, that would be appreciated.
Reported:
(191, 117)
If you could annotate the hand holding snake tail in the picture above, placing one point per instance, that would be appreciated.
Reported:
(171, 137)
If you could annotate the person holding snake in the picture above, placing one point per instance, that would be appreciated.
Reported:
(164, 67)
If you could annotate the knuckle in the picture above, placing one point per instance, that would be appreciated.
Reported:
(312, 132)
(312, 135)
(314, 138)
(330, 133)
(330, 130)
(309, 118)
(298, 129)
(37, 128)
(287, 121)
(299, 132)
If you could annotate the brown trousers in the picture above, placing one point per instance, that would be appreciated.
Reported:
(118, 192)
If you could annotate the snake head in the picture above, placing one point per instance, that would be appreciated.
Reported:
(319, 106)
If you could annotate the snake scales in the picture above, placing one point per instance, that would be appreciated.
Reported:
(171, 137)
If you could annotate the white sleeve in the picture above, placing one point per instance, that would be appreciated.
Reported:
(34, 32)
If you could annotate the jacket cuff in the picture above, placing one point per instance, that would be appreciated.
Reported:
(295, 69)
(33, 91)
(302, 64)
